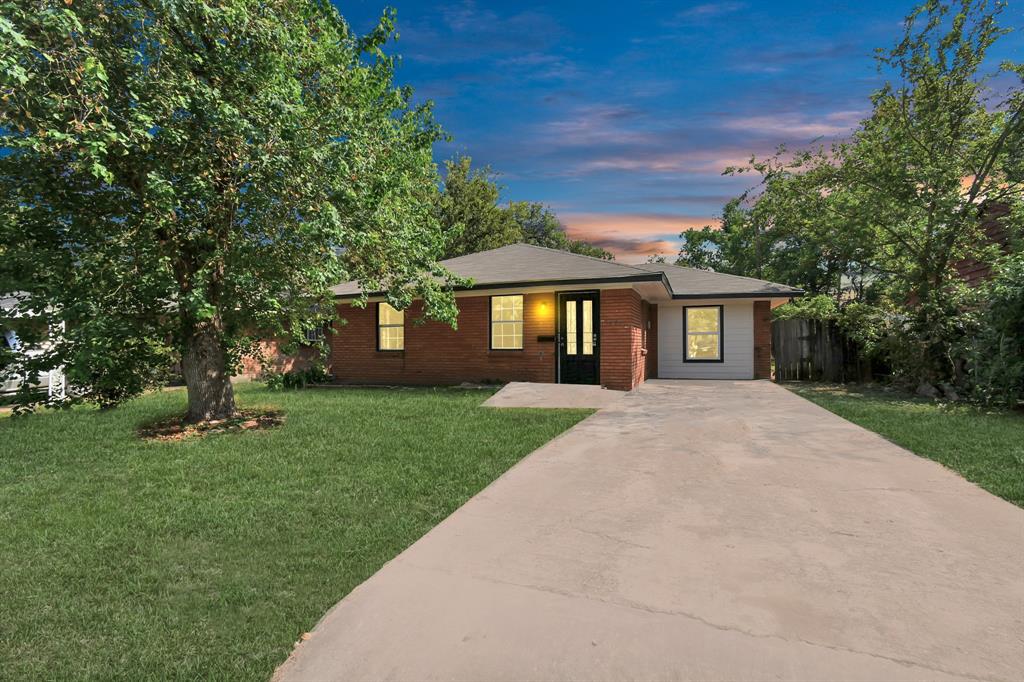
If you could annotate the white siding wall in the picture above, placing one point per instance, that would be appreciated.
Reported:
(738, 341)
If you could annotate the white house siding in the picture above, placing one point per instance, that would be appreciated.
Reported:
(738, 341)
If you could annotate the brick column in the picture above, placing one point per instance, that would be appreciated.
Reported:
(622, 363)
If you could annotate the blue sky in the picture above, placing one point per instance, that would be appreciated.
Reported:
(621, 115)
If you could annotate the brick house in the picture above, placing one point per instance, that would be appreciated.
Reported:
(541, 315)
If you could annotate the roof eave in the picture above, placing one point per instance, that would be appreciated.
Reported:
(757, 294)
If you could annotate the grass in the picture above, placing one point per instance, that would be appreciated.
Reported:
(208, 558)
(984, 446)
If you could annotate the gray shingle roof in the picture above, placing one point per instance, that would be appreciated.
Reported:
(519, 264)
(529, 264)
(694, 283)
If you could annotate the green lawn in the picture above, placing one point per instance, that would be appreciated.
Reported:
(208, 558)
(984, 446)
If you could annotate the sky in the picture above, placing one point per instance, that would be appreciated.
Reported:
(621, 115)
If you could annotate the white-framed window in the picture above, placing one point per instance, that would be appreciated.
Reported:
(390, 327)
(507, 322)
(702, 333)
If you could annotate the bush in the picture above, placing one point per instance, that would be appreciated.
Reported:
(295, 379)
(820, 307)
(995, 353)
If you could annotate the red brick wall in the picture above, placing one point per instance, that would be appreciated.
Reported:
(762, 340)
(436, 354)
(278, 361)
(623, 363)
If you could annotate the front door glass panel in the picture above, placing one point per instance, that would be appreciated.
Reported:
(588, 327)
(570, 328)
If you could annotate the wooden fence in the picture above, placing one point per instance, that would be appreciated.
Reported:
(816, 351)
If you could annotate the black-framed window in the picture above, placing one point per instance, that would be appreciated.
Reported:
(390, 327)
(507, 322)
(702, 334)
(314, 335)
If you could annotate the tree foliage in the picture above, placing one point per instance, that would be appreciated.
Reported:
(540, 226)
(182, 177)
(469, 213)
(885, 216)
(995, 351)
(473, 218)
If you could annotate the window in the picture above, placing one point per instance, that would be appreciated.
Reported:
(507, 322)
(314, 335)
(702, 329)
(390, 327)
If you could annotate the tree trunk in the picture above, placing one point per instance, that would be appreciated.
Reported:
(204, 367)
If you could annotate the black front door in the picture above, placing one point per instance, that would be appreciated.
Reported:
(578, 323)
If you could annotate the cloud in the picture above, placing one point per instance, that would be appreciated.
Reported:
(779, 59)
(466, 33)
(632, 237)
(716, 200)
(789, 126)
(696, 161)
(540, 66)
(594, 125)
(708, 10)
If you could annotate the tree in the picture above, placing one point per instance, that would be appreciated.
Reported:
(903, 200)
(540, 226)
(183, 177)
(936, 149)
(468, 210)
(789, 231)
(473, 220)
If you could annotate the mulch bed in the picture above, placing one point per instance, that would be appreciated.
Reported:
(175, 429)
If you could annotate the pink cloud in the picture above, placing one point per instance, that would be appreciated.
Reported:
(632, 237)
(831, 125)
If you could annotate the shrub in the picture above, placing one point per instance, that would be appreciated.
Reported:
(995, 353)
(295, 379)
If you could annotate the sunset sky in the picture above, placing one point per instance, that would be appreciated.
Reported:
(621, 115)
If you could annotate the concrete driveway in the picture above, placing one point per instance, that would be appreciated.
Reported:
(698, 531)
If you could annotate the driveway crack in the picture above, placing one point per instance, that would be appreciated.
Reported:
(630, 604)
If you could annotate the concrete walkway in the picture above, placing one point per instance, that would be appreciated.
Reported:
(524, 394)
(698, 531)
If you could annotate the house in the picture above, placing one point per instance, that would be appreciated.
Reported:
(994, 226)
(541, 315)
(11, 347)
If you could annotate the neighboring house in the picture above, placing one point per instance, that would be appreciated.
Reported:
(541, 315)
(52, 382)
(974, 271)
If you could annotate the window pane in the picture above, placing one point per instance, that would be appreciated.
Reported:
(588, 327)
(389, 315)
(703, 319)
(702, 346)
(392, 338)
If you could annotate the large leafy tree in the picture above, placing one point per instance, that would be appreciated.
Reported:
(540, 226)
(906, 197)
(787, 231)
(942, 143)
(473, 219)
(468, 210)
(181, 177)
